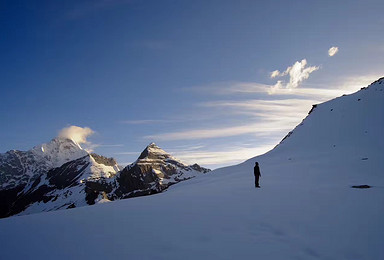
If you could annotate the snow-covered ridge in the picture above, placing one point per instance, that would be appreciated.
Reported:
(59, 151)
(20, 167)
(342, 123)
(100, 170)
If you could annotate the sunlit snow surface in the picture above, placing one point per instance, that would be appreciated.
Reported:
(305, 208)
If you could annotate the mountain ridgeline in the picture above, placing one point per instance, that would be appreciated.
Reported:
(60, 175)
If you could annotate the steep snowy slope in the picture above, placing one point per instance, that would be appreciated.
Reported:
(344, 133)
(305, 209)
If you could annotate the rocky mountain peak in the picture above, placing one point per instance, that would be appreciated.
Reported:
(154, 171)
(154, 152)
(104, 160)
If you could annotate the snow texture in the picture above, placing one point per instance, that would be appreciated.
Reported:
(305, 209)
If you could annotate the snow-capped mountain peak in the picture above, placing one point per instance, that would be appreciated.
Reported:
(154, 171)
(59, 151)
(22, 167)
(152, 151)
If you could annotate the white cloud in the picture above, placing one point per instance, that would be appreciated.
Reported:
(226, 156)
(275, 74)
(278, 86)
(270, 119)
(204, 133)
(332, 51)
(208, 133)
(76, 133)
(271, 109)
(298, 72)
(322, 91)
(354, 83)
(266, 118)
(269, 114)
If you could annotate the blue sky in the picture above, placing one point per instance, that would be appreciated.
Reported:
(192, 76)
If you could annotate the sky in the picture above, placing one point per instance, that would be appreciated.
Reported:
(212, 82)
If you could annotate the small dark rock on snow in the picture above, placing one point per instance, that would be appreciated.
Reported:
(361, 186)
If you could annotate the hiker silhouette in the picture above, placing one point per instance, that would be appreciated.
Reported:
(256, 172)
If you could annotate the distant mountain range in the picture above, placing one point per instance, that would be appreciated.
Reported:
(60, 175)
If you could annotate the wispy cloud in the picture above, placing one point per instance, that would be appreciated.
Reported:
(205, 133)
(227, 155)
(269, 118)
(355, 82)
(319, 91)
(275, 74)
(298, 72)
(271, 109)
(332, 51)
(273, 115)
(260, 113)
(265, 127)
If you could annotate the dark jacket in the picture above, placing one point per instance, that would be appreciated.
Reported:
(256, 171)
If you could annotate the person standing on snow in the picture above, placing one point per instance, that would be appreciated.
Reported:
(256, 172)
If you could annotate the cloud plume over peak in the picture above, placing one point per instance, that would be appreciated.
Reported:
(76, 133)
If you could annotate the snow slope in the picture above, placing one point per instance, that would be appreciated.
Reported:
(305, 209)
